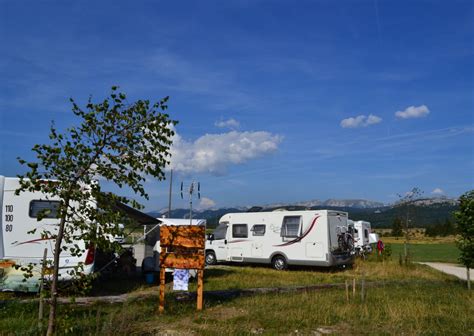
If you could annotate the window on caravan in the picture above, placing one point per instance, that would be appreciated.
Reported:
(47, 208)
(258, 230)
(239, 231)
(291, 226)
(220, 231)
(366, 233)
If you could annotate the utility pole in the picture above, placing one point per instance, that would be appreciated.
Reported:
(191, 189)
(169, 197)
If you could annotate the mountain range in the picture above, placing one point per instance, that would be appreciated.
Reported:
(424, 212)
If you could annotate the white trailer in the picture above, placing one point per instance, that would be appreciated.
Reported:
(282, 238)
(361, 234)
(18, 216)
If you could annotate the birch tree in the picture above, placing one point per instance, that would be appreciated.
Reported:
(114, 140)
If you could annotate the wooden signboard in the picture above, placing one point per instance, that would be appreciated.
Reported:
(179, 260)
(183, 236)
(182, 246)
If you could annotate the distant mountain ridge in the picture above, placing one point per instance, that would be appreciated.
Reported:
(434, 201)
(429, 210)
(346, 203)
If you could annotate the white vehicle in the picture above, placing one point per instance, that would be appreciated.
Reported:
(373, 238)
(282, 238)
(361, 234)
(18, 216)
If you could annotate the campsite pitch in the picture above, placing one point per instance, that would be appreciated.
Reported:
(409, 300)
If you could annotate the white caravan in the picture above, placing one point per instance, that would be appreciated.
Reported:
(18, 216)
(361, 234)
(282, 238)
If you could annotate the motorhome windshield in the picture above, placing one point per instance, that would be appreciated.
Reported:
(220, 231)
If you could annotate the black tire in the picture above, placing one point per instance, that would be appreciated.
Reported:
(279, 263)
(211, 258)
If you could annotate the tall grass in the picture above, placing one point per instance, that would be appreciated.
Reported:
(424, 301)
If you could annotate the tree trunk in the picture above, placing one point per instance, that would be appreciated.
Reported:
(54, 284)
(468, 277)
(41, 291)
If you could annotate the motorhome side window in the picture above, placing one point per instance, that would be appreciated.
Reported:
(239, 231)
(49, 209)
(366, 234)
(291, 226)
(258, 230)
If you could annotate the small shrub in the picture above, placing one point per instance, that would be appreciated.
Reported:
(387, 252)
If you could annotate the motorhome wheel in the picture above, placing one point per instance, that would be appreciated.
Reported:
(279, 263)
(210, 258)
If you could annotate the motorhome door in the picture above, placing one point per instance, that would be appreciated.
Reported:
(238, 242)
(219, 243)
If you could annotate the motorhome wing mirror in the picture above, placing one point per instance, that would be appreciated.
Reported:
(210, 236)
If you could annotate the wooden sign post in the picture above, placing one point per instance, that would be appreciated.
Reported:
(182, 246)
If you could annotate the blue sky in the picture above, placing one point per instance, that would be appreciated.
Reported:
(277, 101)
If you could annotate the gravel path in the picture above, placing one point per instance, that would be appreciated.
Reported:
(452, 269)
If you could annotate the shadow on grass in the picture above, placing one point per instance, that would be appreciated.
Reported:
(116, 283)
(316, 269)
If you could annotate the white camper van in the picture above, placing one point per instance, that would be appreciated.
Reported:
(282, 238)
(363, 237)
(18, 216)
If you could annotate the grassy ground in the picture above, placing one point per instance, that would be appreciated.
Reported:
(423, 248)
(441, 252)
(420, 301)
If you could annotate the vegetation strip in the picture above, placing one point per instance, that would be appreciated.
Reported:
(216, 294)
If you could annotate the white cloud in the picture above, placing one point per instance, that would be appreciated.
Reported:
(360, 121)
(413, 112)
(438, 191)
(230, 123)
(373, 119)
(213, 153)
(206, 203)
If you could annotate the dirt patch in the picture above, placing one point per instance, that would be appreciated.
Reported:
(338, 329)
(224, 313)
(171, 332)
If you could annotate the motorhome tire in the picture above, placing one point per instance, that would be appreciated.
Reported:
(279, 263)
(210, 258)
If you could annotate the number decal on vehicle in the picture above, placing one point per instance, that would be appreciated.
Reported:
(8, 217)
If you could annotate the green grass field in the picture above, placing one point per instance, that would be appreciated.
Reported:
(442, 252)
(409, 300)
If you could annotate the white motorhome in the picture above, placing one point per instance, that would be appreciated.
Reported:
(282, 238)
(18, 216)
(361, 231)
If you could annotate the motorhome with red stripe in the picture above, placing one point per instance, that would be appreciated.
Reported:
(282, 238)
(18, 247)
